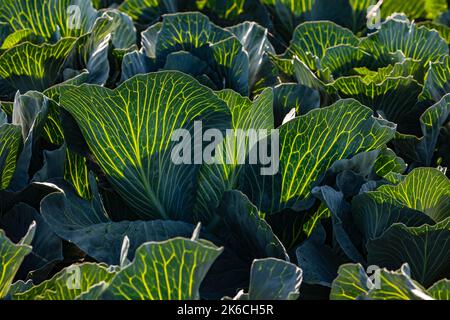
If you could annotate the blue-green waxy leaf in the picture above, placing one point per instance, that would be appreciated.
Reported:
(341, 220)
(10, 144)
(3, 117)
(273, 279)
(134, 63)
(350, 175)
(104, 149)
(444, 18)
(91, 49)
(76, 173)
(39, 117)
(53, 166)
(69, 283)
(431, 122)
(149, 39)
(20, 286)
(399, 67)
(251, 234)
(169, 270)
(359, 173)
(309, 226)
(283, 65)
(318, 261)
(68, 18)
(11, 257)
(353, 283)
(33, 67)
(31, 195)
(255, 42)
(86, 224)
(47, 247)
(247, 236)
(124, 35)
(129, 131)
(186, 62)
(112, 29)
(309, 145)
(426, 249)
(31, 112)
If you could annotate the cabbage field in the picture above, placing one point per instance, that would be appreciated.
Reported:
(224, 150)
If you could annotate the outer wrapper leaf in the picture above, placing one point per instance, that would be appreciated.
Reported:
(426, 249)
(11, 256)
(69, 283)
(170, 270)
(129, 132)
(309, 145)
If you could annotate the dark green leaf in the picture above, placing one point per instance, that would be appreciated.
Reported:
(85, 224)
(273, 279)
(137, 161)
(426, 249)
(47, 247)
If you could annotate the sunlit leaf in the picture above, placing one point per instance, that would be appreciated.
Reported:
(136, 121)
(11, 257)
(170, 270)
(307, 150)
